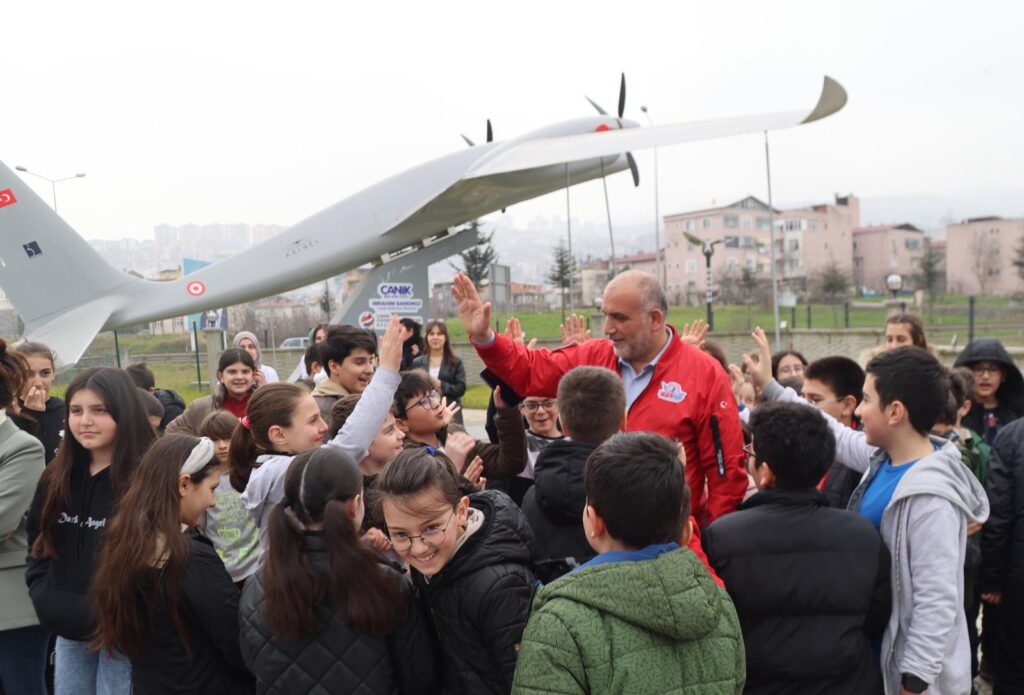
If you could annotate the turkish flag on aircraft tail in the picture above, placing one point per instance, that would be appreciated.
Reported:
(7, 198)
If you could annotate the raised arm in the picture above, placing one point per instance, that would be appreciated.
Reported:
(852, 448)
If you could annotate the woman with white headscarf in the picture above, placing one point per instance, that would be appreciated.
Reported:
(264, 374)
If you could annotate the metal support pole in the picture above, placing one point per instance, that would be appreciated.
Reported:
(568, 230)
(846, 315)
(199, 372)
(117, 345)
(792, 311)
(970, 318)
(708, 293)
(771, 245)
(809, 315)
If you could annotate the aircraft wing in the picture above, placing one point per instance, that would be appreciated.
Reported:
(570, 148)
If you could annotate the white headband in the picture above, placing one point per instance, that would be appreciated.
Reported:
(201, 455)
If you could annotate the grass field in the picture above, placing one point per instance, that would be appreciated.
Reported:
(950, 317)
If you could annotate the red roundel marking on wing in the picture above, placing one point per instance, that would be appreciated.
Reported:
(195, 288)
(601, 128)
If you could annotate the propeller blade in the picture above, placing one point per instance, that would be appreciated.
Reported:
(622, 95)
(632, 169)
(490, 133)
(468, 141)
(594, 104)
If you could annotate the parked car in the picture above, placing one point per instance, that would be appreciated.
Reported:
(302, 342)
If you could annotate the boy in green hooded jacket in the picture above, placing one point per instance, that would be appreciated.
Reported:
(644, 616)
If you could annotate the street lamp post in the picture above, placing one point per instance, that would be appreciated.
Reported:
(53, 182)
(708, 247)
(660, 266)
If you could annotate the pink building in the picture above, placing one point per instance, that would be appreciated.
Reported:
(809, 239)
(646, 262)
(980, 254)
(880, 251)
(743, 228)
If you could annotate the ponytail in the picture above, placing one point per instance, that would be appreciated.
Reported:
(318, 486)
(273, 404)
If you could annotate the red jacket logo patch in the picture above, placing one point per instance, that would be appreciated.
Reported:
(672, 392)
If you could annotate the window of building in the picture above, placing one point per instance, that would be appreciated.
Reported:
(706, 222)
(764, 223)
(894, 262)
(855, 245)
(730, 264)
(895, 245)
(812, 225)
(794, 225)
(691, 266)
(688, 226)
(732, 242)
(746, 222)
(751, 263)
(912, 244)
(731, 221)
(793, 245)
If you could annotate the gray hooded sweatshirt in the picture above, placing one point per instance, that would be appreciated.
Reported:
(924, 527)
(266, 483)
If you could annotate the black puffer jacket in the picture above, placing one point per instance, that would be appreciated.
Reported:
(340, 659)
(554, 508)
(480, 601)
(47, 426)
(1002, 537)
(1010, 393)
(811, 587)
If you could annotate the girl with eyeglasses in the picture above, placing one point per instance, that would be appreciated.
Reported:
(470, 564)
(162, 595)
(325, 613)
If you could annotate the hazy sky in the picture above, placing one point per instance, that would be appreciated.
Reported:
(267, 112)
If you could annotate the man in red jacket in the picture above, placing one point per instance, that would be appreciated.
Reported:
(672, 388)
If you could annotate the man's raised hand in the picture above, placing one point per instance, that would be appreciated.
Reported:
(473, 312)
(574, 330)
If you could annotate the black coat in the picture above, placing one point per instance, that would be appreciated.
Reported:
(812, 589)
(340, 659)
(554, 509)
(173, 403)
(46, 426)
(840, 484)
(1010, 394)
(211, 617)
(1002, 537)
(480, 601)
(59, 586)
(453, 379)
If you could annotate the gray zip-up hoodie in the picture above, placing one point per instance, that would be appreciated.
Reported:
(266, 484)
(924, 527)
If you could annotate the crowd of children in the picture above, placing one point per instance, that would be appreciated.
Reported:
(345, 534)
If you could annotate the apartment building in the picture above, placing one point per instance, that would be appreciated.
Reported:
(812, 238)
(980, 254)
(881, 250)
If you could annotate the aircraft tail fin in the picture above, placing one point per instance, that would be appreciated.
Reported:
(69, 334)
(49, 272)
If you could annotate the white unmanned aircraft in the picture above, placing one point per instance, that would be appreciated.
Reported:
(66, 293)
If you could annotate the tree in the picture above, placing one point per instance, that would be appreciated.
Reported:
(984, 259)
(750, 287)
(477, 260)
(561, 272)
(832, 285)
(931, 273)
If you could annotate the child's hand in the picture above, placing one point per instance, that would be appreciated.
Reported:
(574, 330)
(449, 409)
(694, 335)
(760, 371)
(736, 374)
(474, 473)
(458, 447)
(376, 539)
(390, 349)
(259, 378)
(514, 332)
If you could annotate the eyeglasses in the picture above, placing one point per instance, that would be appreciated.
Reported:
(428, 402)
(981, 369)
(531, 406)
(748, 449)
(432, 536)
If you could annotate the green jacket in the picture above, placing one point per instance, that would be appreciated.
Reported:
(648, 627)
